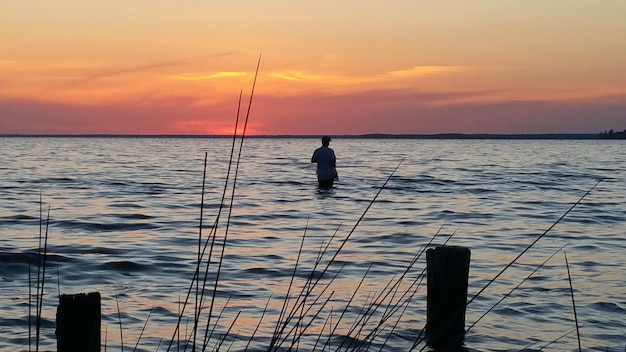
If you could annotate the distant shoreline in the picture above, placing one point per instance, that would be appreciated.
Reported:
(616, 135)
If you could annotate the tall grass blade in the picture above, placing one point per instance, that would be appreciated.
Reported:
(512, 290)
(207, 335)
(119, 317)
(259, 324)
(30, 308)
(37, 313)
(197, 274)
(364, 318)
(143, 329)
(311, 320)
(549, 343)
(212, 238)
(291, 280)
(213, 233)
(243, 135)
(348, 304)
(328, 322)
(534, 242)
(393, 329)
(301, 298)
(43, 281)
(227, 333)
(310, 306)
(106, 336)
(571, 290)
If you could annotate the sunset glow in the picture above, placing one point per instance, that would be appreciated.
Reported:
(326, 67)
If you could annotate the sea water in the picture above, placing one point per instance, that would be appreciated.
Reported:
(123, 215)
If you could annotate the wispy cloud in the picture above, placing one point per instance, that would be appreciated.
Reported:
(128, 70)
(416, 71)
(206, 76)
(302, 76)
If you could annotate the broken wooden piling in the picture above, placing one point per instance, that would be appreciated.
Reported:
(78, 323)
(447, 274)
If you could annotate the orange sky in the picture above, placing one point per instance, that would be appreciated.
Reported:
(327, 67)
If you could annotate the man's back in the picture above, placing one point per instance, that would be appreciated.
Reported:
(325, 159)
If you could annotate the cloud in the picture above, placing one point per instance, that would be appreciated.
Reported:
(418, 71)
(378, 79)
(303, 76)
(127, 70)
(205, 76)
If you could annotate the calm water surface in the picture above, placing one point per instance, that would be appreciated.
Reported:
(125, 214)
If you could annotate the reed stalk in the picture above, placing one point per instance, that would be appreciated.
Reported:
(291, 280)
(119, 316)
(211, 239)
(207, 335)
(106, 336)
(259, 324)
(327, 322)
(549, 343)
(513, 289)
(232, 197)
(200, 294)
(348, 304)
(571, 290)
(143, 329)
(40, 288)
(197, 274)
(30, 309)
(225, 335)
(534, 242)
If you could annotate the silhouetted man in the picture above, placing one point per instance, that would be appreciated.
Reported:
(326, 162)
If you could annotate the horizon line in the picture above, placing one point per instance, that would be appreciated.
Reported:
(559, 135)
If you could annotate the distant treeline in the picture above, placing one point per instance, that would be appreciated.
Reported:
(603, 135)
(613, 135)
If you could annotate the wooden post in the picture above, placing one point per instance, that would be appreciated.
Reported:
(448, 270)
(78, 323)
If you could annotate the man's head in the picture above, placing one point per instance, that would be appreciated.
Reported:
(325, 140)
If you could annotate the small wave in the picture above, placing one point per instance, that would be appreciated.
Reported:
(16, 219)
(54, 180)
(508, 311)
(23, 259)
(117, 183)
(609, 307)
(164, 311)
(103, 227)
(262, 271)
(133, 216)
(88, 250)
(126, 205)
(123, 266)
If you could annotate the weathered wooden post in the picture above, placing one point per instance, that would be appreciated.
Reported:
(448, 270)
(78, 323)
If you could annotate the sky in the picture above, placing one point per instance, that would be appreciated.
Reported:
(341, 67)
